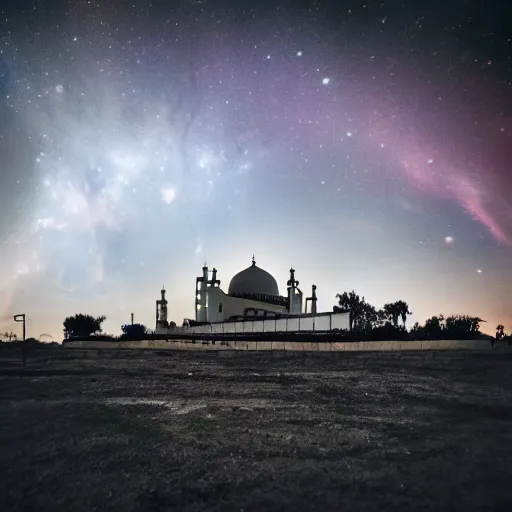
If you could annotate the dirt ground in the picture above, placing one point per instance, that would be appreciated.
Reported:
(162, 430)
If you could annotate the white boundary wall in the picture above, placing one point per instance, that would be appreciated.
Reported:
(359, 346)
(323, 322)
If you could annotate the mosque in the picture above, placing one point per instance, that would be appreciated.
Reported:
(251, 305)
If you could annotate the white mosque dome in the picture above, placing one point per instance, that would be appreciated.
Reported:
(253, 281)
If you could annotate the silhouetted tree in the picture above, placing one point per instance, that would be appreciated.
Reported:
(9, 336)
(396, 310)
(500, 334)
(452, 327)
(434, 327)
(367, 317)
(403, 310)
(363, 316)
(462, 326)
(82, 325)
(382, 318)
(134, 331)
(392, 310)
(353, 304)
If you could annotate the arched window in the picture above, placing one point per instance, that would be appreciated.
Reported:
(220, 308)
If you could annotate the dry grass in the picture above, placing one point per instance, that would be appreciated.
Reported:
(84, 430)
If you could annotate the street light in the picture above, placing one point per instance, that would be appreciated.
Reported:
(21, 318)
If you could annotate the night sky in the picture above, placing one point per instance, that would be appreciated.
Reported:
(368, 144)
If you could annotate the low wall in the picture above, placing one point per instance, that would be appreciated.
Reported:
(321, 322)
(359, 346)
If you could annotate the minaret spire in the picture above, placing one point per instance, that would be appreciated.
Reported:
(292, 281)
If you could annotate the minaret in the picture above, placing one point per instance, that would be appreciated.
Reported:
(214, 281)
(202, 296)
(313, 300)
(161, 311)
(291, 291)
(294, 295)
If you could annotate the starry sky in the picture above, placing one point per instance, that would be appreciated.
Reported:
(368, 144)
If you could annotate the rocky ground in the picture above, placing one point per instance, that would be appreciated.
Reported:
(161, 430)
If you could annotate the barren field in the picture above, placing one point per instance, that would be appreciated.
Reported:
(160, 430)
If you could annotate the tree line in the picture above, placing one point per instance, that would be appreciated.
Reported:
(366, 322)
(82, 326)
(389, 323)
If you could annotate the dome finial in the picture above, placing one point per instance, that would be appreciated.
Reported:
(253, 261)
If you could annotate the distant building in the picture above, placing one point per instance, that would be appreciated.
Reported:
(253, 304)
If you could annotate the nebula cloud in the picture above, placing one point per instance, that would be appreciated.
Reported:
(121, 132)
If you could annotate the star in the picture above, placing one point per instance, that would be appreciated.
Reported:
(168, 195)
(134, 138)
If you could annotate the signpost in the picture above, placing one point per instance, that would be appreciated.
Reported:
(21, 318)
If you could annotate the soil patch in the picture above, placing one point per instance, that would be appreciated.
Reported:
(137, 430)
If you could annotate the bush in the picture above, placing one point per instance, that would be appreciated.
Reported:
(81, 325)
(134, 332)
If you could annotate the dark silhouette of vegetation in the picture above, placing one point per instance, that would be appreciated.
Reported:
(133, 332)
(362, 315)
(389, 323)
(9, 336)
(80, 325)
(396, 311)
(12, 339)
(366, 319)
(502, 336)
(449, 328)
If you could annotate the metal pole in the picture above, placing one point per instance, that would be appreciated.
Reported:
(132, 318)
(22, 318)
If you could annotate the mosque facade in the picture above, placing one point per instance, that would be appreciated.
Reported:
(252, 304)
